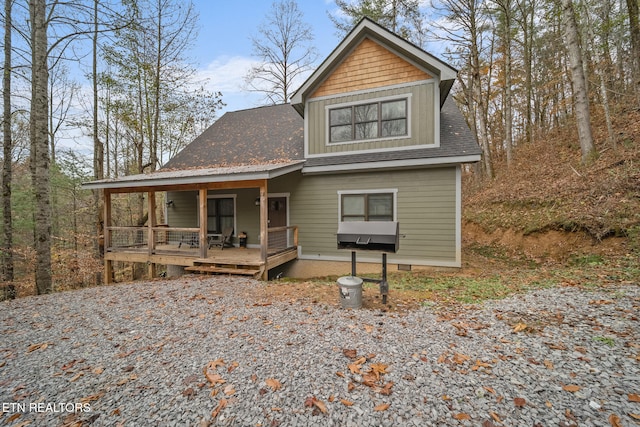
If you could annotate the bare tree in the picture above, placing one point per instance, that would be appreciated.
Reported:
(580, 96)
(634, 27)
(39, 135)
(283, 45)
(7, 250)
(465, 26)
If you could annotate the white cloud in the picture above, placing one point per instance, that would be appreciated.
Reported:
(226, 74)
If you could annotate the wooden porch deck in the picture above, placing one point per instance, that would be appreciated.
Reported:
(239, 261)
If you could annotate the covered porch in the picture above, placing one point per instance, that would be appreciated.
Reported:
(199, 248)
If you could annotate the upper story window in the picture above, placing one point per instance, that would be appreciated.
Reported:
(382, 119)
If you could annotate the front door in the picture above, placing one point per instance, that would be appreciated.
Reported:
(277, 218)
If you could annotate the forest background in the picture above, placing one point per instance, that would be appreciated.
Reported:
(551, 89)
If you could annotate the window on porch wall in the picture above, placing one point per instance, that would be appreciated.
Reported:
(220, 214)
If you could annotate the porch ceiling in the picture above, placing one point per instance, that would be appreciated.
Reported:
(163, 180)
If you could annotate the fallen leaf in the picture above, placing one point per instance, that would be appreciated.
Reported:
(354, 368)
(92, 397)
(382, 407)
(634, 397)
(460, 358)
(548, 364)
(98, 370)
(69, 365)
(221, 405)
(571, 388)
(386, 390)
(378, 369)
(350, 353)
(14, 417)
(351, 386)
(369, 328)
(320, 405)
(340, 374)
(39, 346)
(215, 363)
(360, 361)
(233, 366)
(614, 420)
(346, 402)
(634, 416)
(519, 402)
(490, 390)
(495, 417)
(462, 416)
(519, 327)
(229, 390)
(274, 384)
(76, 377)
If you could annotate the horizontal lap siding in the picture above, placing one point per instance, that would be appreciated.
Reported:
(426, 211)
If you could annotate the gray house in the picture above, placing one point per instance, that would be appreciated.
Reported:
(372, 135)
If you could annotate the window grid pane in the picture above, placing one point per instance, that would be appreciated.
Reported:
(368, 121)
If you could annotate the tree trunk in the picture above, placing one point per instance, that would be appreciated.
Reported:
(580, 98)
(634, 26)
(7, 251)
(38, 132)
(98, 148)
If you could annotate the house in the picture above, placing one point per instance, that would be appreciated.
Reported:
(372, 134)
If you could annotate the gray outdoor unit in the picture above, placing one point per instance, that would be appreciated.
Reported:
(380, 236)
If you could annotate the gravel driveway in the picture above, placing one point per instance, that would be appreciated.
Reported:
(214, 351)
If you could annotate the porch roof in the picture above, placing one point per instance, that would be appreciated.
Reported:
(165, 179)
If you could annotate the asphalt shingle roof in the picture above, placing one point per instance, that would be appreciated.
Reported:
(264, 135)
(275, 134)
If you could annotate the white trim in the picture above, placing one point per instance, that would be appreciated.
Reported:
(406, 97)
(376, 89)
(458, 224)
(393, 191)
(394, 164)
(371, 150)
(197, 176)
(375, 258)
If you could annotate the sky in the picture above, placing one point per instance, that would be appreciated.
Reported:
(222, 51)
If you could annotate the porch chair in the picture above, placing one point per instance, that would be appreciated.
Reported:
(190, 239)
(225, 239)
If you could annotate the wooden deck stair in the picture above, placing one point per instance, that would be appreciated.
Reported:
(206, 266)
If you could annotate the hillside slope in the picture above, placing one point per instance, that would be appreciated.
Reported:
(547, 192)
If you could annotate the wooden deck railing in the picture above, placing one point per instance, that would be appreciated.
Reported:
(162, 237)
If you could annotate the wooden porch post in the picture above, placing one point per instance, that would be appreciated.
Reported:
(151, 206)
(108, 265)
(203, 223)
(264, 225)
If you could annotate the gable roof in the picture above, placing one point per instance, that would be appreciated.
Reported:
(406, 50)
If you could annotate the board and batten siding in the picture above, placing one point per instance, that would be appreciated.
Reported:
(420, 112)
(427, 210)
